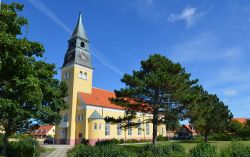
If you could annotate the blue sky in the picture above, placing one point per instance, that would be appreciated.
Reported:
(211, 39)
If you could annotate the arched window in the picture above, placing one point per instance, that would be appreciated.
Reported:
(100, 126)
(85, 76)
(119, 129)
(147, 129)
(95, 126)
(81, 74)
(107, 129)
(139, 127)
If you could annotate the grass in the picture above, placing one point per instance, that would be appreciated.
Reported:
(186, 144)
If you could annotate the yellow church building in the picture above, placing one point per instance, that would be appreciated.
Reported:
(88, 106)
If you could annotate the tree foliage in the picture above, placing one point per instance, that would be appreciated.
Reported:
(28, 90)
(209, 114)
(159, 85)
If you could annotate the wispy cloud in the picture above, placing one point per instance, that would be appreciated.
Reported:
(146, 9)
(189, 15)
(230, 92)
(204, 47)
(103, 59)
(219, 67)
(38, 4)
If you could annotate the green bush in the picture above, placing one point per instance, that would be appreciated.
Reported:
(103, 150)
(203, 150)
(170, 149)
(161, 138)
(23, 148)
(85, 142)
(236, 149)
(107, 142)
(21, 136)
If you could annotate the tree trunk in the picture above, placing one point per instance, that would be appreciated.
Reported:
(155, 124)
(206, 136)
(5, 143)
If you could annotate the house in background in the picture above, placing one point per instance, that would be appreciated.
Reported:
(44, 131)
(186, 132)
(240, 120)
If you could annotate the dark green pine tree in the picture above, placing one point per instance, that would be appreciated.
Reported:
(209, 114)
(28, 90)
(160, 85)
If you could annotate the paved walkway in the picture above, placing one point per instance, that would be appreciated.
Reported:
(61, 150)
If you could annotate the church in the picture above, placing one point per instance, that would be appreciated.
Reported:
(88, 105)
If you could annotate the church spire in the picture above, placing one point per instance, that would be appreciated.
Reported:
(79, 29)
(78, 49)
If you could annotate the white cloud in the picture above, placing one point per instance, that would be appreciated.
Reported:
(230, 92)
(189, 15)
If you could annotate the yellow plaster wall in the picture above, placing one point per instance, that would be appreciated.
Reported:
(75, 84)
(91, 133)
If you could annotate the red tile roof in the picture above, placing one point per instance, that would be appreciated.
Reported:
(42, 130)
(240, 120)
(99, 97)
(190, 128)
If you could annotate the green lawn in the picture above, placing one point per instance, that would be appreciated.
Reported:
(186, 144)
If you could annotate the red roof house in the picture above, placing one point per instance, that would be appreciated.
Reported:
(44, 131)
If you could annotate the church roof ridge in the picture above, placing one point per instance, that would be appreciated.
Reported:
(103, 89)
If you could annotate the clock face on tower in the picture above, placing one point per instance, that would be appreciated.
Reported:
(83, 57)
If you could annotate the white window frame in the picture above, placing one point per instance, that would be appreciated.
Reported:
(83, 75)
(139, 127)
(119, 129)
(66, 75)
(147, 129)
(100, 126)
(129, 129)
(107, 129)
(95, 126)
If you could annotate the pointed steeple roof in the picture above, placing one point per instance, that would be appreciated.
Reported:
(79, 29)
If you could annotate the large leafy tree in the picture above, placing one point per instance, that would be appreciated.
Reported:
(160, 85)
(209, 114)
(28, 91)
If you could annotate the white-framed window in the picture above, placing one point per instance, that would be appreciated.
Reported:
(66, 75)
(79, 117)
(129, 128)
(139, 127)
(119, 129)
(83, 75)
(147, 129)
(107, 129)
(95, 126)
(162, 130)
(100, 126)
